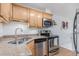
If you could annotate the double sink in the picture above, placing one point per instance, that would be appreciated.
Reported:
(19, 41)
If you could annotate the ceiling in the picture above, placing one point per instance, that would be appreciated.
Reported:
(61, 9)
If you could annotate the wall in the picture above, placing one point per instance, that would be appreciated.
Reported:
(65, 35)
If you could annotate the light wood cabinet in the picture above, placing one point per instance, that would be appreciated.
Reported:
(39, 19)
(5, 12)
(31, 46)
(19, 13)
(15, 12)
(1, 20)
(32, 18)
(0, 17)
(6, 9)
(47, 15)
(35, 18)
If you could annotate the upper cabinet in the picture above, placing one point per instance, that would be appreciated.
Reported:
(15, 12)
(19, 13)
(47, 15)
(1, 20)
(39, 19)
(32, 18)
(5, 11)
(35, 18)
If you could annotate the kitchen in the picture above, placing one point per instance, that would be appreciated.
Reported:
(28, 29)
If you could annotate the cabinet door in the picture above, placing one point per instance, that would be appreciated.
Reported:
(31, 46)
(0, 16)
(6, 10)
(39, 20)
(33, 18)
(1, 20)
(46, 15)
(19, 13)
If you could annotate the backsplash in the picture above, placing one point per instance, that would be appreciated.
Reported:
(9, 28)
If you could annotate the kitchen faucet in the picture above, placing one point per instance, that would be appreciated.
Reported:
(16, 34)
(17, 30)
(16, 39)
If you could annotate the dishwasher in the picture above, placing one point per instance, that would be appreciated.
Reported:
(41, 47)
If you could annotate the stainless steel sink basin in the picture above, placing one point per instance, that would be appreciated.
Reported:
(19, 41)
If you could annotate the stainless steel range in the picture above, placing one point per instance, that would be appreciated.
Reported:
(53, 40)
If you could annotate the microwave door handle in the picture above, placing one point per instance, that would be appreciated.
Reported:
(42, 22)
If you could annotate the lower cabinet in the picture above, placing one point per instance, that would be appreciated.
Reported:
(38, 47)
(31, 46)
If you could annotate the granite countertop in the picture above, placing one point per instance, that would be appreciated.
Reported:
(10, 49)
(27, 36)
(20, 35)
(13, 50)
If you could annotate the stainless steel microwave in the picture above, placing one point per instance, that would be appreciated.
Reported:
(47, 22)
